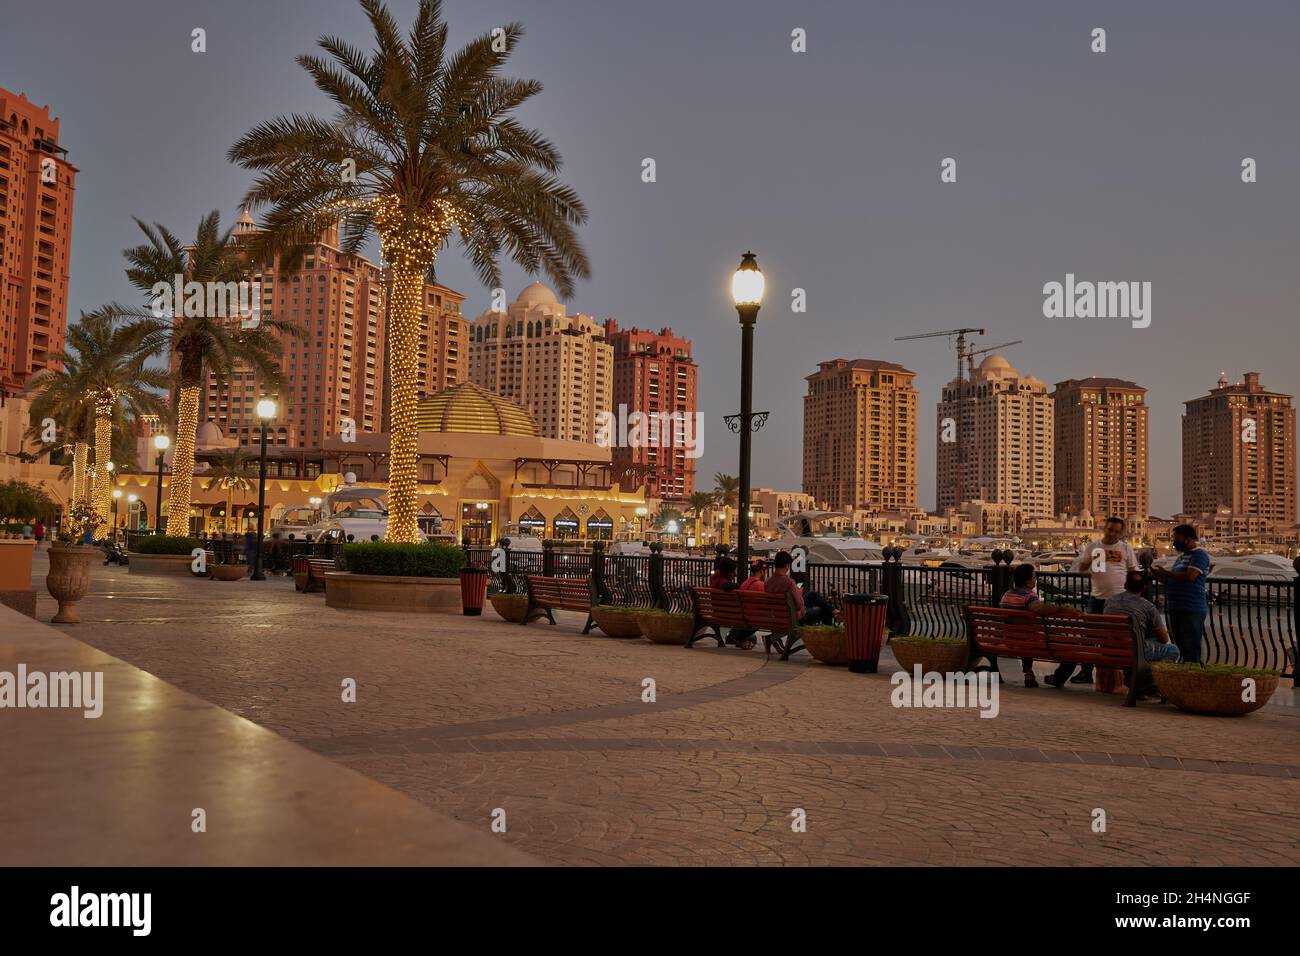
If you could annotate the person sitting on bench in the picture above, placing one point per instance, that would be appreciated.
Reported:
(1023, 597)
(811, 608)
(1132, 601)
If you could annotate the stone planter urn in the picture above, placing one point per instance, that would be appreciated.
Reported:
(69, 578)
(616, 621)
(1213, 690)
(511, 607)
(830, 645)
(943, 656)
(227, 572)
(664, 628)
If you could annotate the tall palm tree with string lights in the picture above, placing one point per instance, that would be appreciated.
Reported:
(197, 344)
(700, 502)
(726, 489)
(423, 147)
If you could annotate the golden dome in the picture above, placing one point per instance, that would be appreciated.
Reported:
(470, 408)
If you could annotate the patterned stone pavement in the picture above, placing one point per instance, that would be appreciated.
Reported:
(473, 716)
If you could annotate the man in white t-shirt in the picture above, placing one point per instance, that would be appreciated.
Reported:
(1107, 560)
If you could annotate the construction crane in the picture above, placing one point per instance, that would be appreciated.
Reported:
(970, 356)
(961, 344)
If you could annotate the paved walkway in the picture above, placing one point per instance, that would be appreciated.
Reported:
(474, 716)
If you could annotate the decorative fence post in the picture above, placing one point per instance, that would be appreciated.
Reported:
(548, 558)
(891, 580)
(658, 596)
(598, 586)
(1000, 575)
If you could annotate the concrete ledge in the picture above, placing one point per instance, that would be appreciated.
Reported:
(119, 790)
(21, 600)
(381, 592)
(159, 563)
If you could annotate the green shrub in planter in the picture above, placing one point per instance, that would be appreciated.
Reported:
(166, 544)
(826, 643)
(429, 559)
(1215, 689)
(665, 627)
(617, 621)
(940, 654)
(510, 607)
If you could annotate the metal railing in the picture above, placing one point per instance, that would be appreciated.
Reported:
(1250, 622)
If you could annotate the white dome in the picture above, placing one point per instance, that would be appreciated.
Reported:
(994, 362)
(538, 295)
(209, 435)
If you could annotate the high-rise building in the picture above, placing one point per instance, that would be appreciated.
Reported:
(36, 189)
(334, 371)
(995, 440)
(654, 373)
(1101, 449)
(860, 435)
(1239, 452)
(558, 366)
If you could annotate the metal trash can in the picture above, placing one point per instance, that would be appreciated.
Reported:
(473, 589)
(864, 625)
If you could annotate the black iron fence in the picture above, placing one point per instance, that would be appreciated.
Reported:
(1250, 622)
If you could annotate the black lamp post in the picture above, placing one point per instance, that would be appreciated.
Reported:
(265, 412)
(747, 293)
(162, 443)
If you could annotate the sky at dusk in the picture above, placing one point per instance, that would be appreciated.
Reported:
(1119, 166)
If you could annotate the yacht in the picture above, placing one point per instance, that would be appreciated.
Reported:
(1242, 567)
(926, 555)
(809, 530)
(349, 513)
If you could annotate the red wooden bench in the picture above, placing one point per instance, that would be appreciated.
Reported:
(309, 573)
(774, 614)
(564, 594)
(1103, 640)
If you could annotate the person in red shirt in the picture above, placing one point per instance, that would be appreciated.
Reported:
(724, 573)
(757, 576)
(815, 610)
(38, 532)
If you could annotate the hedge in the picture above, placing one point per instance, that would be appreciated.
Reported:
(166, 544)
(428, 560)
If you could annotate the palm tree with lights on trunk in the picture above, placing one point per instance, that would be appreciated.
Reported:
(423, 147)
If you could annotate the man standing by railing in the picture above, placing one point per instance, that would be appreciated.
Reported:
(1185, 592)
(1107, 560)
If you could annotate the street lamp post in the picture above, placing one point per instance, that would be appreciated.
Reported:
(117, 494)
(747, 293)
(641, 512)
(265, 412)
(162, 443)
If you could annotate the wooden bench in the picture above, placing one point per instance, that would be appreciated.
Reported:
(563, 594)
(1102, 640)
(309, 573)
(774, 614)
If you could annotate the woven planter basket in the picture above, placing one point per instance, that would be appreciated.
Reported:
(617, 621)
(666, 628)
(829, 647)
(1205, 692)
(941, 658)
(510, 607)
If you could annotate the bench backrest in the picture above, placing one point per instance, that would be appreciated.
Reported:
(753, 609)
(1109, 640)
(570, 594)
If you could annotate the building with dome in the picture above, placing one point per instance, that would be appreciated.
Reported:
(995, 440)
(487, 469)
(559, 367)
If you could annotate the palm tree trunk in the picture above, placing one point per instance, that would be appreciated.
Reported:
(80, 453)
(187, 426)
(403, 371)
(101, 495)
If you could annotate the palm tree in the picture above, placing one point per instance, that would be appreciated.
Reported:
(700, 502)
(230, 474)
(118, 387)
(727, 491)
(424, 145)
(60, 395)
(197, 343)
